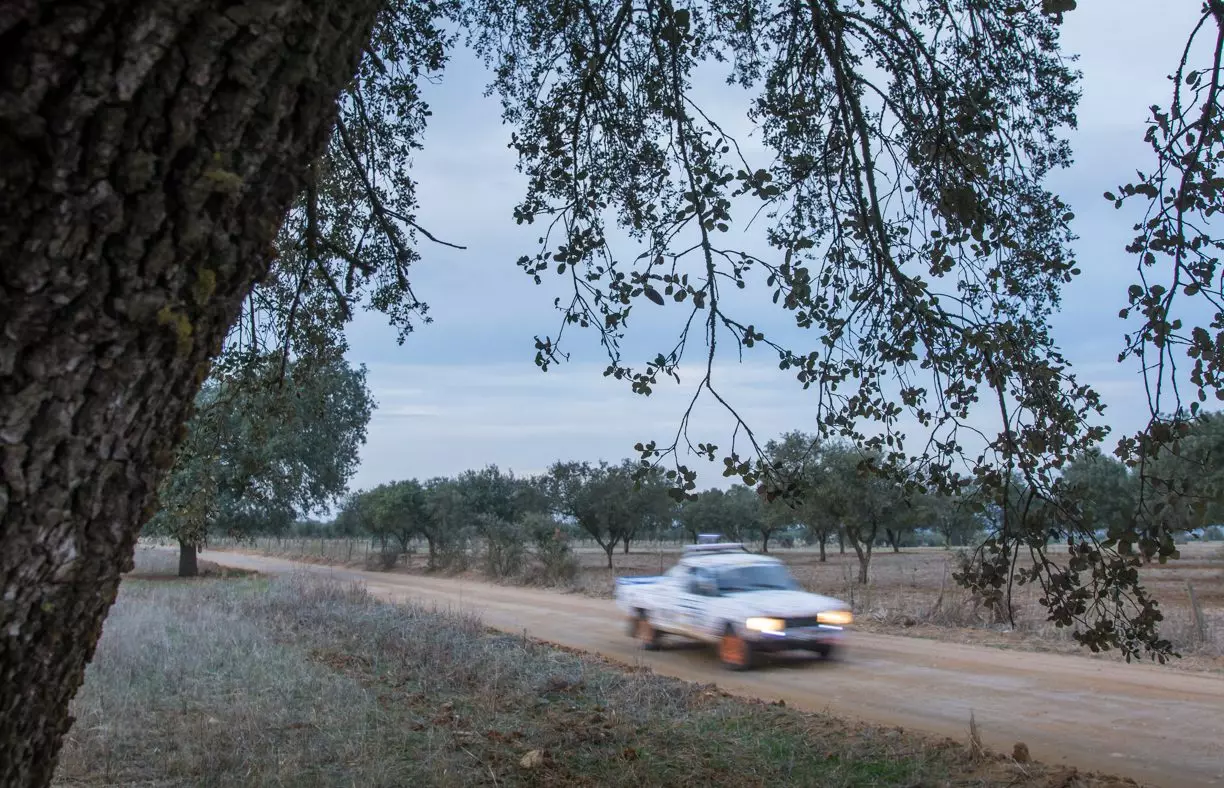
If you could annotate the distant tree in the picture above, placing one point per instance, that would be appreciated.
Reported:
(953, 517)
(895, 533)
(703, 513)
(864, 501)
(746, 508)
(1182, 489)
(505, 545)
(449, 511)
(310, 528)
(490, 491)
(735, 513)
(803, 481)
(905, 520)
(399, 512)
(1104, 489)
(651, 509)
(354, 517)
(1014, 512)
(270, 441)
(598, 497)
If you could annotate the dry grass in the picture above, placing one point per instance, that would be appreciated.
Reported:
(302, 681)
(163, 565)
(910, 593)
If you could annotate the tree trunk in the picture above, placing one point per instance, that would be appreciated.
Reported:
(862, 548)
(765, 541)
(188, 565)
(150, 151)
(609, 548)
(841, 541)
(893, 539)
(626, 542)
(822, 538)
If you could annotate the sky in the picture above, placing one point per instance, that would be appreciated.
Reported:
(463, 391)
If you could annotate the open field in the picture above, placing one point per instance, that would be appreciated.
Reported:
(303, 680)
(1160, 726)
(910, 593)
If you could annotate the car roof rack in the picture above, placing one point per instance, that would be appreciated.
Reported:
(715, 548)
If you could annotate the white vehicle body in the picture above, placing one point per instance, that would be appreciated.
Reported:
(741, 601)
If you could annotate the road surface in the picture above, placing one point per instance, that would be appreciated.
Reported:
(1158, 726)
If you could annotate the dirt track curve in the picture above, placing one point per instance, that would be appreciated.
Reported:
(1158, 726)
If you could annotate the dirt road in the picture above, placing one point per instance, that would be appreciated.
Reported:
(1160, 727)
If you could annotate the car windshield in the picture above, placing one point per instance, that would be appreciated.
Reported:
(760, 577)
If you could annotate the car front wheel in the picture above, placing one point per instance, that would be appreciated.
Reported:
(734, 651)
(645, 633)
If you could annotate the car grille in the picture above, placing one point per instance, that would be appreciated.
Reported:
(806, 621)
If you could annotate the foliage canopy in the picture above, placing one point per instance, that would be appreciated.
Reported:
(264, 447)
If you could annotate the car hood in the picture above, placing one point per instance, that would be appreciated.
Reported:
(784, 604)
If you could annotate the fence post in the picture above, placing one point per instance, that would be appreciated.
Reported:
(1200, 623)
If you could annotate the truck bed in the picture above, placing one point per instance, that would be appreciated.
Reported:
(628, 591)
(639, 580)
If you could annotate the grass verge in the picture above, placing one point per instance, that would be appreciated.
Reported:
(302, 681)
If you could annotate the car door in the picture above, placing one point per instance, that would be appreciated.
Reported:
(706, 613)
(688, 602)
(698, 603)
(670, 598)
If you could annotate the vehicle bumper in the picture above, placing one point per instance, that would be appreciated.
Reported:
(804, 638)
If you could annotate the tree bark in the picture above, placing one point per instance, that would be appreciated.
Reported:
(189, 566)
(433, 553)
(864, 557)
(862, 542)
(150, 150)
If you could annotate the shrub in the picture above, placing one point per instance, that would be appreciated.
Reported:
(383, 561)
(505, 553)
(454, 554)
(558, 564)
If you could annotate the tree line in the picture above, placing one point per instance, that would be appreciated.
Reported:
(494, 516)
(269, 445)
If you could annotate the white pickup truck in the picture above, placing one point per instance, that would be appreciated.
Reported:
(743, 602)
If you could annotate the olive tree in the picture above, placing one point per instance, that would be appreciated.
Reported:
(262, 449)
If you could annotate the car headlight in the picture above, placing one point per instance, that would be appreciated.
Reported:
(766, 624)
(837, 618)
